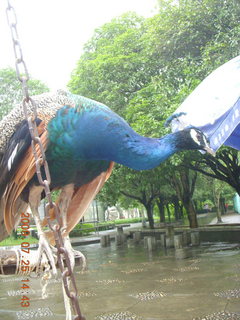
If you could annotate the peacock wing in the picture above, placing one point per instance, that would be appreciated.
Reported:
(18, 167)
(83, 196)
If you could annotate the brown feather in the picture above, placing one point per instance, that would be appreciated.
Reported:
(84, 196)
(11, 202)
(81, 200)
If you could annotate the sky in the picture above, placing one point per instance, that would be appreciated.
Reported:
(52, 32)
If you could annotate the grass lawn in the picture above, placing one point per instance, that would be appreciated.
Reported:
(11, 241)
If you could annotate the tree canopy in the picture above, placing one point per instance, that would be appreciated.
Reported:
(144, 68)
(11, 91)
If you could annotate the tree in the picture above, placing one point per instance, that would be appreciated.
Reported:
(11, 91)
(183, 181)
(216, 193)
(111, 68)
(188, 28)
(143, 187)
(144, 68)
(225, 166)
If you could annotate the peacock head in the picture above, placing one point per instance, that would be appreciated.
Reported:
(193, 139)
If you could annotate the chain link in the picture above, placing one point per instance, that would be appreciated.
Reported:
(41, 162)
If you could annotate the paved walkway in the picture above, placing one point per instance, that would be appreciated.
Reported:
(228, 218)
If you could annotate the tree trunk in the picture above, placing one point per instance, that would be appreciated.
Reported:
(223, 206)
(192, 216)
(160, 204)
(181, 210)
(176, 208)
(217, 197)
(219, 216)
(168, 212)
(147, 201)
(150, 215)
(183, 181)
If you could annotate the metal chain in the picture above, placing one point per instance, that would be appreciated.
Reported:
(40, 160)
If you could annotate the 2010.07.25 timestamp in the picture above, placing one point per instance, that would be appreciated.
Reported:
(25, 263)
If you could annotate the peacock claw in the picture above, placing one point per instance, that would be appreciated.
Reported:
(45, 249)
(74, 253)
(82, 257)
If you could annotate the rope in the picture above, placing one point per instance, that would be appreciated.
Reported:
(33, 263)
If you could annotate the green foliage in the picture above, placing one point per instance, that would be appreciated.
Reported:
(11, 91)
(82, 229)
(144, 68)
(127, 221)
(55, 194)
(149, 108)
(209, 203)
(14, 234)
(111, 65)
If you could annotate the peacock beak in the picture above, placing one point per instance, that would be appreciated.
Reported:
(209, 150)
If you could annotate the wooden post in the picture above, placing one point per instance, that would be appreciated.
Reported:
(119, 229)
(137, 236)
(169, 242)
(185, 238)
(145, 242)
(170, 237)
(178, 241)
(188, 237)
(170, 231)
(195, 238)
(149, 243)
(34, 233)
(105, 240)
(163, 240)
(120, 239)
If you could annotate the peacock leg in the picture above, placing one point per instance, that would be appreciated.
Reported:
(43, 245)
(64, 201)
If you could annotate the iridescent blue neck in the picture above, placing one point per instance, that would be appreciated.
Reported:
(138, 153)
(100, 134)
(114, 140)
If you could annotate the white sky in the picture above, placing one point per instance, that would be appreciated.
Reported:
(53, 32)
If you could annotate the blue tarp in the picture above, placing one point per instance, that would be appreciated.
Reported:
(214, 107)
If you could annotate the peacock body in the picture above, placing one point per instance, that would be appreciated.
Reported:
(82, 139)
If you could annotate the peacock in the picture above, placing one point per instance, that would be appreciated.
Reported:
(82, 139)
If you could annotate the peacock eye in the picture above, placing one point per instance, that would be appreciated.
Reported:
(196, 136)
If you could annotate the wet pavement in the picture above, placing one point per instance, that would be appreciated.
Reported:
(229, 218)
(131, 283)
